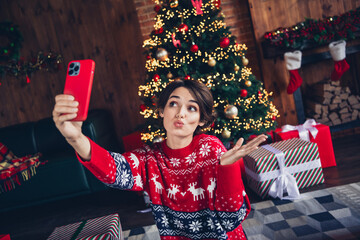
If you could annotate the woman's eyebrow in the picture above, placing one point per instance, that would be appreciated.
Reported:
(177, 97)
(174, 96)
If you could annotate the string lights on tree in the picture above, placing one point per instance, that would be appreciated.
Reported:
(191, 41)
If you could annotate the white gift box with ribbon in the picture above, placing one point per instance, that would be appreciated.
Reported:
(303, 129)
(280, 169)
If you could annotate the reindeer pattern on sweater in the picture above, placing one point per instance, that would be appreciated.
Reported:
(192, 196)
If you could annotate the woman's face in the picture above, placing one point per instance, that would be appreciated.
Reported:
(181, 114)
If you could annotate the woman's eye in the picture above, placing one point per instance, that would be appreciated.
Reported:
(192, 109)
(172, 104)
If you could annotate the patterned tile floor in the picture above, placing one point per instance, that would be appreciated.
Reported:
(332, 213)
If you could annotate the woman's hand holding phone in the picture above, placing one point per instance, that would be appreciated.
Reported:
(65, 110)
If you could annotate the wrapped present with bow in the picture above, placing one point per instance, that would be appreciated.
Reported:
(106, 227)
(280, 169)
(312, 132)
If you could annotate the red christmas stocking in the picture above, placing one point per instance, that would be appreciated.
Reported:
(338, 54)
(293, 63)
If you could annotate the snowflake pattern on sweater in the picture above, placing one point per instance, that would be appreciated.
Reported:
(192, 196)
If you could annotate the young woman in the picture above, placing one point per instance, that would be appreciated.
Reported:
(193, 182)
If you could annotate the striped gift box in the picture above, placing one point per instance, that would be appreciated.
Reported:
(104, 228)
(301, 160)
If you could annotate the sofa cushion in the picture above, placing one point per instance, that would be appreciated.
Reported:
(19, 138)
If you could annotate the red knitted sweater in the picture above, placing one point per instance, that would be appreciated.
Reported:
(192, 196)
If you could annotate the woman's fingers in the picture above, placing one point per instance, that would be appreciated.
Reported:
(239, 143)
(257, 141)
(250, 146)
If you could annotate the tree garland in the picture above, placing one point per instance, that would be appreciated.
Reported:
(10, 61)
(312, 33)
(12, 38)
(43, 61)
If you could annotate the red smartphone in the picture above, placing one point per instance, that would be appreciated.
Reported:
(79, 79)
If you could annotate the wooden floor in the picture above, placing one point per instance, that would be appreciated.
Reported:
(38, 222)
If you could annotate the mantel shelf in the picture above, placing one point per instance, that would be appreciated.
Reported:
(310, 55)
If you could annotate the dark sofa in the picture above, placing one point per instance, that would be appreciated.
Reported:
(62, 176)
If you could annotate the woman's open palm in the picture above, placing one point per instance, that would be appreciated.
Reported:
(239, 150)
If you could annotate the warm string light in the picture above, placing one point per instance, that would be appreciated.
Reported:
(183, 56)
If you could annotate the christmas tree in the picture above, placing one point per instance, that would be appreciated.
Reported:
(191, 41)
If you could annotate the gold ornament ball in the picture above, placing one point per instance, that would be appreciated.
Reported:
(162, 54)
(236, 67)
(226, 133)
(158, 139)
(212, 62)
(174, 3)
(169, 75)
(245, 61)
(231, 111)
(248, 83)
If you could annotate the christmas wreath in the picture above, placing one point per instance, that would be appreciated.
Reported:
(10, 41)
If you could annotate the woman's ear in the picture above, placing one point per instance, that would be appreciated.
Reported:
(201, 124)
(161, 112)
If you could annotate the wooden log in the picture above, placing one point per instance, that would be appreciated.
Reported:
(336, 99)
(336, 122)
(345, 115)
(333, 116)
(325, 109)
(337, 91)
(343, 104)
(354, 115)
(344, 110)
(344, 95)
(353, 100)
(356, 106)
(333, 106)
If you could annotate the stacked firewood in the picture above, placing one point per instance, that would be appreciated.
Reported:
(332, 104)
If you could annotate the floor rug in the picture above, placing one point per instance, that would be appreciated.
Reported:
(332, 213)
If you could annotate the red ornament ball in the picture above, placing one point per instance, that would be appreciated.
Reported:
(148, 57)
(224, 42)
(243, 93)
(159, 31)
(187, 77)
(156, 77)
(142, 107)
(194, 48)
(183, 27)
(273, 118)
(157, 8)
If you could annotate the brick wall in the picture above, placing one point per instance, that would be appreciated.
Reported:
(237, 16)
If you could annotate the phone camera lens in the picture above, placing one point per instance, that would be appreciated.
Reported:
(72, 65)
(71, 72)
(76, 68)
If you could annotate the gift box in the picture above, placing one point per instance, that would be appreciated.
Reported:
(107, 227)
(280, 169)
(313, 132)
(4, 237)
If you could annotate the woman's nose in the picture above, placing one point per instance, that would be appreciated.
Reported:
(181, 113)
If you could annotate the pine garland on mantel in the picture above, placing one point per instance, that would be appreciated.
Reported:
(315, 33)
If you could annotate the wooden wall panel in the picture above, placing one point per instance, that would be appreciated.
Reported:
(268, 15)
(107, 31)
